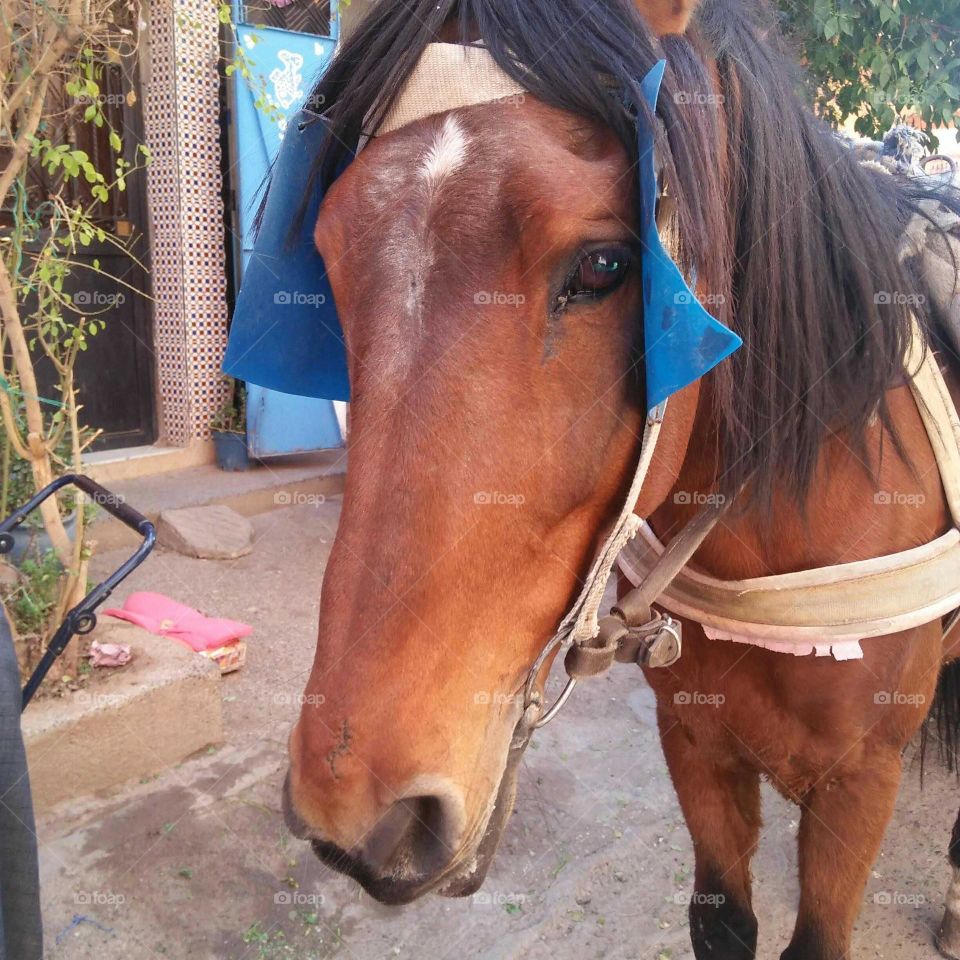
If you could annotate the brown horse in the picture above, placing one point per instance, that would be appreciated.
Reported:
(497, 383)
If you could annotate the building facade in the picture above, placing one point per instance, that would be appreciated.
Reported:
(191, 223)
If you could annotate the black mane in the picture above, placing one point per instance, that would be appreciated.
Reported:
(794, 239)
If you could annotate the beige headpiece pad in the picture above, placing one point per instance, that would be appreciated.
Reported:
(447, 76)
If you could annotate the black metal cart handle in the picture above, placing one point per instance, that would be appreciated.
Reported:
(82, 618)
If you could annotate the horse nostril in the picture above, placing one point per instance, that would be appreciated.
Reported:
(417, 837)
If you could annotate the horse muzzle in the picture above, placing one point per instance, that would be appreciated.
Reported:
(419, 845)
(415, 847)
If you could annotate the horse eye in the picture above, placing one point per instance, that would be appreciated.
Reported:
(598, 273)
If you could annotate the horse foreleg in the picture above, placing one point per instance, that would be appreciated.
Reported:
(721, 805)
(948, 937)
(841, 828)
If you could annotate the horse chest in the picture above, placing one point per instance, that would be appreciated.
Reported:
(780, 714)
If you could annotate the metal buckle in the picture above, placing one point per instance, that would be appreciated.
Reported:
(664, 651)
(665, 648)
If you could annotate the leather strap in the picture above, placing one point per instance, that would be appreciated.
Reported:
(633, 632)
(939, 416)
(580, 627)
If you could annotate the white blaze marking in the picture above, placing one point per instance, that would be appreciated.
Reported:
(408, 245)
(446, 155)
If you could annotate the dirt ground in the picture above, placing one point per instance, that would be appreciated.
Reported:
(596, 862)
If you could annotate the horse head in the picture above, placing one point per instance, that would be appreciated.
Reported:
(485, 263)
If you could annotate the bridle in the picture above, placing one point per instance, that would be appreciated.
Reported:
(633, 632)
(785, 612)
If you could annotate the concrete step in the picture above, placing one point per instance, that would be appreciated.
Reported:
(110, 466)
(163, 706)
(303, 479)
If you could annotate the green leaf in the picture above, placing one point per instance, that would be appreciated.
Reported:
(115, 141)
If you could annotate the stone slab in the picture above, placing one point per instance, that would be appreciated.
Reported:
(288, 481)
(213, 532)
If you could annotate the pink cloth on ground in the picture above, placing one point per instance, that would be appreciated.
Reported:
(109, 654)
(166, 617)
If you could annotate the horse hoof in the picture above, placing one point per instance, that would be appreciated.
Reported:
(949, 950)
(948, 937)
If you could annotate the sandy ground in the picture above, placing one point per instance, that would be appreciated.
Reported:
(596, 862)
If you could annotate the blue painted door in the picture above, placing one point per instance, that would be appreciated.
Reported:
(284, 48)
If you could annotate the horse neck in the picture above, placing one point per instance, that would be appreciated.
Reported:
(854, 510)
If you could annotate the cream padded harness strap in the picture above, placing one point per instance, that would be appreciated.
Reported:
(847, 602)
(830, 609)
(939, 417)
